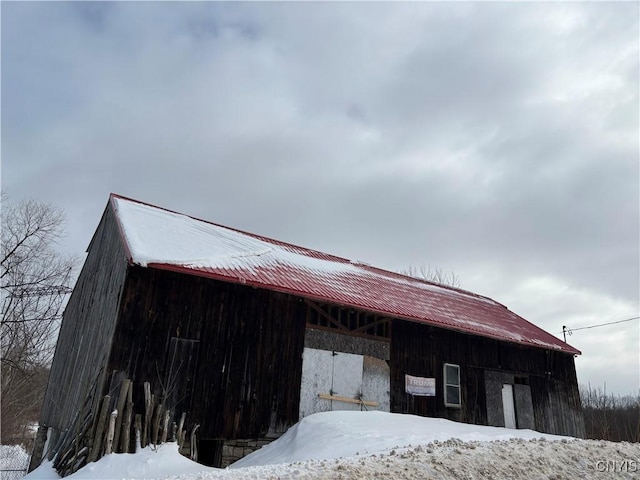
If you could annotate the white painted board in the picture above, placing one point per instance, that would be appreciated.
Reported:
(508, 406)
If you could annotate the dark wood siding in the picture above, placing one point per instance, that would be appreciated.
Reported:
(422, 350)
(249, 349)
(87, 327)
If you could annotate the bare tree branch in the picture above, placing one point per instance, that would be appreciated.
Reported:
(35, 283)
(434, 275)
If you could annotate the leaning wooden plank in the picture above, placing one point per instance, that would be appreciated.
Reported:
(148, 411)
(65, 440)
(122, 398)
(78, 461)
(102, 420)
(165, 426)
(61, 460)
(125, 434)
(156, 423)
(80, 444)
(138, 428)
(85, 430)
(66, 447)
(42, 434)
(194, 447)
(54, 452)
(337, 398)
(110, 432)
(180, 431)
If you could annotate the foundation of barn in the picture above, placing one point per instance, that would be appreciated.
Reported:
(234, 450)
(221, 453)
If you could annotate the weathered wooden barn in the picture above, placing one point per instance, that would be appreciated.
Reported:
(247, 335)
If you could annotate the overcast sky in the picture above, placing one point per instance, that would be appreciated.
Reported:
(495, 140)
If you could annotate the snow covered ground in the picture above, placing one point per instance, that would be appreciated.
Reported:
(364, 445)
(14, 461)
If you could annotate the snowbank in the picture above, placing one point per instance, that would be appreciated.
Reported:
(150, 463)
(364, 445)
(329, 435)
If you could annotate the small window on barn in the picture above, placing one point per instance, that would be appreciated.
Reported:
(452, 385)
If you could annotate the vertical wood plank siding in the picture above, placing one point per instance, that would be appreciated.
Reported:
(87, 327)
(422, 350)
(249, 356)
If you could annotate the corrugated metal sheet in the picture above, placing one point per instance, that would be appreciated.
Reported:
(162, 239)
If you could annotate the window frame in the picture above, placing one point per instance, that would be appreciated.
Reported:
(447, 383)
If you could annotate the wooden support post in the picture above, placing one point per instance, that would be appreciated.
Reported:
(122, 398)
(148, 411)
(181, 434)
(194, 444)
(156, 423)
(138, 429)
(38, 449)
(165, 426)
(125, 434)
(110, 433)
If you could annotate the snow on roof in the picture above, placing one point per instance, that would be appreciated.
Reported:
(162, 239)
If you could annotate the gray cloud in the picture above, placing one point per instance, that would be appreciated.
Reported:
(499, 140)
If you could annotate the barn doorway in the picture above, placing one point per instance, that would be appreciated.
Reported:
(508, 400)
(334, 380)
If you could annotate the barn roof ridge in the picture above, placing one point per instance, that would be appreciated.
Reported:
(362, 264)
(245, 257)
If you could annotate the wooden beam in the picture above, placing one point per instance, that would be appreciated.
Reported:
(327, 316)
(337, 398)
(372, 324)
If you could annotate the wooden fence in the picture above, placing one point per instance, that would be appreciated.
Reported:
(111, 431)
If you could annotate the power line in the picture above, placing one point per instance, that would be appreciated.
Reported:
(566, 330)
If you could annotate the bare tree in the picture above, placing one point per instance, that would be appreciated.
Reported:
(610, 417)
(433, 275)
(36, 281)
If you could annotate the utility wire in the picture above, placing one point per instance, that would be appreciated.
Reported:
(569, 330)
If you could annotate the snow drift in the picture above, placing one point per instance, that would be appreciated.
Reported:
(364, 445)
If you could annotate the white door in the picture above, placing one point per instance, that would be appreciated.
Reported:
(344, 376)
(508, 406)
(347, 380)
(317, 377)
(329, 373)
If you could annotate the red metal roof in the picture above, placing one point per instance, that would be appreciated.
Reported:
(162, 239)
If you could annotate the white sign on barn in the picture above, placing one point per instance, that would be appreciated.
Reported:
(420, 386)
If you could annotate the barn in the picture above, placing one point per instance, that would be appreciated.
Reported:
(247, 335)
